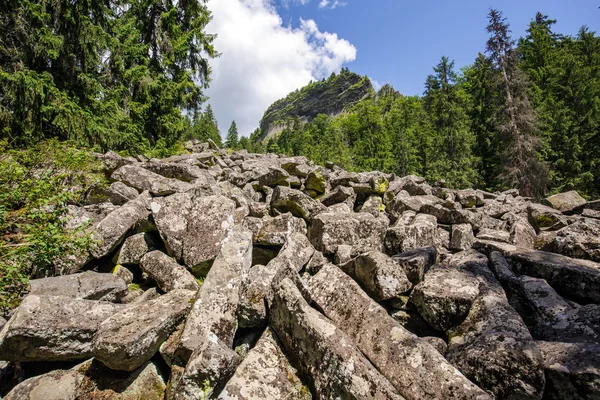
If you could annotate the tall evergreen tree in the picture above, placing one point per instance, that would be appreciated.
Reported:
(232, 139)
(451, 155)
(516, 119)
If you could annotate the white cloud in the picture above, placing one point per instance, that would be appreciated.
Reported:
(376, 85)
(332, 4)
(263, 61)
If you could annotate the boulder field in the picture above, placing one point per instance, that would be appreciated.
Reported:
(230, 275)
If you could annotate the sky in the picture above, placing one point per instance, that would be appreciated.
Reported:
(269, 48)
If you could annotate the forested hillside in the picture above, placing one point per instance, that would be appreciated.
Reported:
(525, 114)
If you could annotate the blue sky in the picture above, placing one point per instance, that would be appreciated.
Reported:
(272, 47)
(398, 42)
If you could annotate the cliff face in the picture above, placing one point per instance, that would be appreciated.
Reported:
(330, 96)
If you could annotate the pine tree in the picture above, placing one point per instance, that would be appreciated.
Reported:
(451, 156)
(232, 139)
(516, 117)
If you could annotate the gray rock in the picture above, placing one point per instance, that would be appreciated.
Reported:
(265, 373)
(411, 364)
(132, 336)
(445, 296)
(492, 346)
(445, 215)
(362, 231)
(417, 262)
(402, 203)
(252, 311)
(379, 275)
(171, 215)
(144, 180)
(299, 204)
(119, 193)
(55, 385)
(214, 312)
(315, 180)
(134, 248)
(53, 328)
(470, 198)
(111, 231)
(579, 240)
(274, 231)
(522, 234)
(565, 202)
(87, 285)
(545, 218)
(420, 232)
(575, 279)
(340, 194)
(373, 205)
(167, 273)
(180, 170)
(462, 237)
(572, 370)
(493, 234)
(309, 339)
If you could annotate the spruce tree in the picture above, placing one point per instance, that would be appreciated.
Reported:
(232, 139)
(516, 117)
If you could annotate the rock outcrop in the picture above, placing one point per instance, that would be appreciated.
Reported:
(268, 277)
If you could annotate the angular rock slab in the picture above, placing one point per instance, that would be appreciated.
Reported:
(572, 370)
(322, 352)
(88, 285)
(362, 231)
(215, 309)
(576, 279)
(299, 204)
(111, 231)
(167, 273)
(420, 232)
(565, 201)
(53, 328)
(412, 365)
(492, 346)
(142, 180)
(265, 373)
(55, 385)
(131, 337)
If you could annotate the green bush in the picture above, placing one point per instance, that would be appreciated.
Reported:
(36, 186)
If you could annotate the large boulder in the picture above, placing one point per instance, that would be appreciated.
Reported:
(88, 285)
(416, 262)
(572, 370)
(382, 277)
(53, 328)
(214, 312)
(565, 202)
(579, 240)
(412, 233)
(167, 273)
(111, 231)
(319, 350)
(492, 346)
(144, 180)
(412, 365)
(299, 204)
(362, 231)
(265, 373)
(462, 237)
(55, 385)
(576, 279)
(134, 248)
(545, 218)
(274, 231)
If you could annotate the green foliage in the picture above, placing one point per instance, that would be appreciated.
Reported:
(232, 140)
(115, 75)
(36, 186)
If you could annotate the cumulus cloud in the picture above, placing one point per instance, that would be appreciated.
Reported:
(263, 61)
(332, 4)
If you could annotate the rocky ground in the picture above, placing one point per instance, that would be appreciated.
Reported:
(228, 275)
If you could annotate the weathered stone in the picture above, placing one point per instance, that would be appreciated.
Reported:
(182, 171)
(274, 231)
(132, 336)
(462, 237)
(144, 180)
(411, 364)
(265, 373)
(495, 235)
(294, 201)
(565, 201)
(111, 231)
(270, 176)
(469, 198)
(252, 311)
(572, 370)
(379, 275)
(322, 352)
(492, 346)
(53, 328)
(522, 234)
(317, 261)
(214, 311)
(420, 232)
(445, 215)
(340, 194)
(543, 217)
(402, 203)
(579, 240)
(55, 385)
(167, 273)
(87, 285)
(134, 248)
(362, 231)
(575, 279)
(445, 296)
(316, 181)
(417, 262)
(373, 205)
